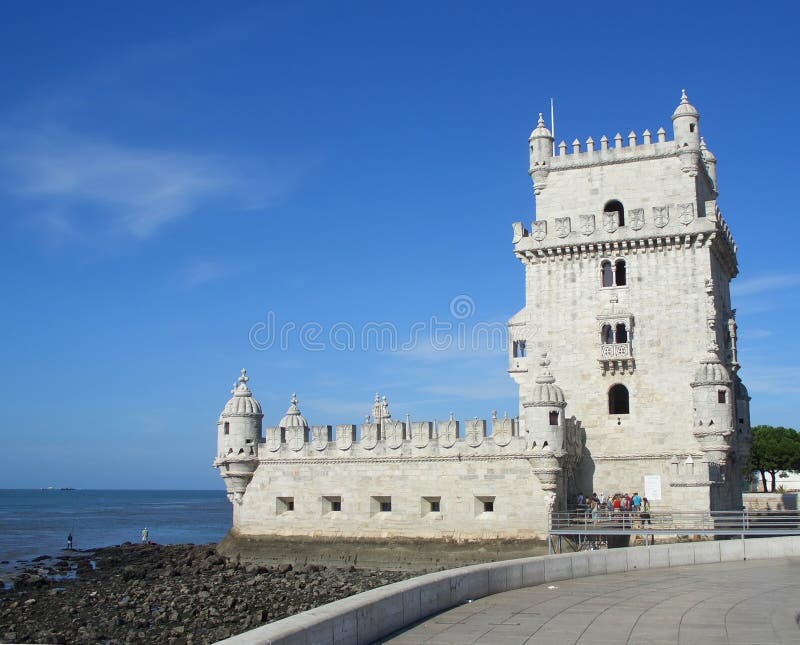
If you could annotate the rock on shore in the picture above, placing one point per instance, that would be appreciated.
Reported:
(165, 594)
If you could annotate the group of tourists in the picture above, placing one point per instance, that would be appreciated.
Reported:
(619, 504)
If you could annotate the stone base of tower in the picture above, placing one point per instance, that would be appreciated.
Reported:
(396, 554)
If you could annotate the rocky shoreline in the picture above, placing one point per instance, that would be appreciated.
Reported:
(164, 594)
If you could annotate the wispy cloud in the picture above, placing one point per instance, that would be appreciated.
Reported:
(765, 283)
(84, 183)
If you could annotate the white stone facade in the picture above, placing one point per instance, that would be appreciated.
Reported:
(627, 273)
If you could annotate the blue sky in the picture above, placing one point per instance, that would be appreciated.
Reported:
(173, 176)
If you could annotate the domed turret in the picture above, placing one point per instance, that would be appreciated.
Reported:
(710, 161)
(544, 411)
(713, 401)
(686, 127)
(238, 437)
(293, 418)
(541, 149)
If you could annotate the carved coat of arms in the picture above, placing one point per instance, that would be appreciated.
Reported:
(587, 224)
(393, 431)
(563, 226)
(319, 437)
(636, 218)
(519, 232)
(295, 438)
(420, 433)
(344, 436)
(539, 230)
(273, 439)
(660, 216)
(448, 433)
(610, 222)
(369, 436)
(476, 431)
(502, 431)
(685, 213)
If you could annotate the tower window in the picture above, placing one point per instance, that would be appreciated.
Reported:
(622, 333)
(721, 398)
(615, 206)
(618, 399)
(519, 349)
(691, 127)
(553, 417)
(620, 273)
(613, 275)
(227, 427)
(607, 273)
(607, 335)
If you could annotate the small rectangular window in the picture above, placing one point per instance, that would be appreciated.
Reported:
(553, 417)
(380, 504)
(284, 505)
(332, 504)
(484, 504)
(227, 427)
(430, 505)
(721, 396)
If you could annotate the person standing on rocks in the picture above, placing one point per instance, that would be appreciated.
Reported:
(145, 535)
(69, 542)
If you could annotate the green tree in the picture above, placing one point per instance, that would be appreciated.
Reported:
(774, 449)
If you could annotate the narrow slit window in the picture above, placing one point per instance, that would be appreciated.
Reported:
(553, 418)
(620, 273)
(721, 396)
(607, 274)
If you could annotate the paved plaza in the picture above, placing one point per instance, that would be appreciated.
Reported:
(745, 603)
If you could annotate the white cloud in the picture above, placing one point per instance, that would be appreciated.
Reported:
(88, 184)
(765, 283)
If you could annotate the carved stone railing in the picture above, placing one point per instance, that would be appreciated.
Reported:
(613, 351)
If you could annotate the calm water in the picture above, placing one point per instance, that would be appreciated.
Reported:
(37, 522)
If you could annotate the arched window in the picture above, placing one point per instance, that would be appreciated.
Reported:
(553, 418)
(615, 206)
(618, 400)
(607, 273)
(519, 349)
(607, 335)
(620, 273)
(622, 333)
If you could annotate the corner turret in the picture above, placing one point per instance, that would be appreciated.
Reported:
(238, 437)
(541, 149)
(712, 396)
(686, 128)
(544, 412)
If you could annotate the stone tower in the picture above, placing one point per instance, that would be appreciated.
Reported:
(627, 271)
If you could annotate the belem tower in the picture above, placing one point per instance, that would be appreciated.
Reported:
(624, 353)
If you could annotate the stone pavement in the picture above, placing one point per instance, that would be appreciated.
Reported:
(745, 603)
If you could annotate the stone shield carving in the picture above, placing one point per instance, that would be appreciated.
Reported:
(295, 438)
(394, 434)
(636, 218)
(369, 436)
(502, 432)
(610, 222)
(273, 439)
(319, 437)
(519, 232)
(344, 436)
(448, 433)
(563, 226)
(685, 213)
(660, 216)
(420, 433)
(539, 230)
(475, 432)
(587, 224)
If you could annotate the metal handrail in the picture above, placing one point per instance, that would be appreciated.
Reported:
(742, 522)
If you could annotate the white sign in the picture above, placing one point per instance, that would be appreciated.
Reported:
(652, 488)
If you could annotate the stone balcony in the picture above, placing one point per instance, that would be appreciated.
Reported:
(616, 358)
